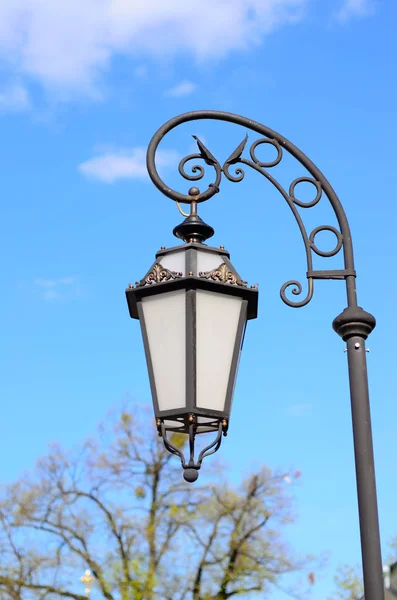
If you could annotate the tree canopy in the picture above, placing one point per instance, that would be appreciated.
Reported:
(119, 507)
(349, 581)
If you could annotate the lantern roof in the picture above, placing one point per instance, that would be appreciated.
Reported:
(192, 265)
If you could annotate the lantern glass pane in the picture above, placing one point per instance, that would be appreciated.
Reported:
(165, 321)
(175, 261)
(203, 425)
(173, 424)
(217, 321)
(206, 261)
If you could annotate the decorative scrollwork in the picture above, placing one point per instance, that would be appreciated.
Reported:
(158, 274)
(236, 154)
(198, 173)
(239, 173)
(224, 275)
(194, 169)
(297, 290)
(235, 160)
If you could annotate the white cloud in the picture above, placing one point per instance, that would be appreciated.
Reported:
(67, 45)
(54, 289)
(185, 88)
(14, 98)
(51, 283)
(354, 8)
(125, 163)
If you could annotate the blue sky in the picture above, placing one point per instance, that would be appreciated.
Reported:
(83, 87)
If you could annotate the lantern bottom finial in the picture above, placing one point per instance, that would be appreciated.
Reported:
(190, 475)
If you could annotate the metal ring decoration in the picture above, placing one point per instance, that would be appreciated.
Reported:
(300, 203)
(281, 144)
(272, 163)
(339, 241)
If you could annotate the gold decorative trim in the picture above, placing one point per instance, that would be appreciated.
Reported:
(158, 274)
(224, 275)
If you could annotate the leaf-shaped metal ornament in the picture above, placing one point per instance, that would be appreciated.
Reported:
(205, 153)
(236, 155)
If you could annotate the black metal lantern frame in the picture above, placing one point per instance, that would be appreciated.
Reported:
(353, 324)
(221, 281)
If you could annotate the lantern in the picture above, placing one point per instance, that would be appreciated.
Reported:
(193, 309)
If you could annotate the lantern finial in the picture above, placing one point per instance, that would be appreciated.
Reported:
(193, 228)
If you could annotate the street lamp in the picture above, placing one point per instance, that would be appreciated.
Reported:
(193, 317)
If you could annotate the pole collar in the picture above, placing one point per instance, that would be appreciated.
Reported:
(354, 321)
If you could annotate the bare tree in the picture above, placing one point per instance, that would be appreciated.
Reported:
(348, 583)
(120, 508)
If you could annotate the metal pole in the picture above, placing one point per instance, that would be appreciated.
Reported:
(354, 325)
(365, 470)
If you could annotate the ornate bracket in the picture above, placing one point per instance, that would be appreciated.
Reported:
(232, 170)
(191, 468)
(224, 275)
(158, 274)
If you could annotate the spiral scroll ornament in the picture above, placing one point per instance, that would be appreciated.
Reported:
(234, 170)
(197, 170)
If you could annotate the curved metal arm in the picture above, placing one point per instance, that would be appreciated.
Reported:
(280, 144)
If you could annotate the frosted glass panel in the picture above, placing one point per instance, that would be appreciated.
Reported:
(165, 319)
(205, 429)
(174, 262)
(206, 261)
(173, 424)
(203, 425)
(217, 320)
